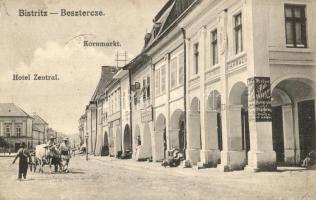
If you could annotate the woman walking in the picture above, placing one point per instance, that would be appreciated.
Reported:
(24, 155)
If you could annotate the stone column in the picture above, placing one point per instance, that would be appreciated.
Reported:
(233, 156)
(289, 137)
(194, 145)
(173, 138)
(210, 152)
(158, 153)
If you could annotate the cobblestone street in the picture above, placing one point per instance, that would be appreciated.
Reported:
(109, 178)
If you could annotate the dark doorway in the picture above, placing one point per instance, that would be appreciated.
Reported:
(219, 131)
(164, 143)
(127, 140)
(306, 118)
(277, 133)
(245, 132)
(181, 138)
(16, 146)
(105, 147)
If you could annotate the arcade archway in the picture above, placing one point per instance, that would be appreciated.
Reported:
(239, 136)
(293, 120)
(177, 137)
(160, 138)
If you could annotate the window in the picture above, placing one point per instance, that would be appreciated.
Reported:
(238, 34)
(295, 26)
(148, 87)
(214, 48)
(144, 90)
(181, 68)
(18, 130)
(8, 130)
(173, 73)
(163, 79)
(157, 82)
(196, 58)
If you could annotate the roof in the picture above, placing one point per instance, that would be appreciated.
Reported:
(38, 119)
(106, 77)
(36, 128)
(167, 16)
(11, 110)
(166, 19)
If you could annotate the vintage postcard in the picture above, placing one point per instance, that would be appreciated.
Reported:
(157, 99)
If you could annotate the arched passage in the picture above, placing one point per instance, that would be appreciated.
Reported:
(195, 141)
(238, 133)
(160, 138)
(293, 119)
(127, 141)
(177, 137)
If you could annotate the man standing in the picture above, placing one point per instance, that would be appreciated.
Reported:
(65, 152)
(24, 155)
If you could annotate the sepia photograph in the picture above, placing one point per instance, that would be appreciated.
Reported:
(157, 99)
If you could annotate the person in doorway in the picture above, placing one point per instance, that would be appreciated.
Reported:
(309, 160)
(24, 158)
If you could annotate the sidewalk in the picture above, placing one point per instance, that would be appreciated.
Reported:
(192, 172)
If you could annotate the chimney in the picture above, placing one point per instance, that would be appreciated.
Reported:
(147, 38)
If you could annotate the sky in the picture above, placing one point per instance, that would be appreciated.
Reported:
(53, 45)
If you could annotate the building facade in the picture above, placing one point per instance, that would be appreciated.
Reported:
(39, 130)
(231, 84)
(246, 62)
(15, 126)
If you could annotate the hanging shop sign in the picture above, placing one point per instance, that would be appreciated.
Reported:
(147, 114)
(259, 99)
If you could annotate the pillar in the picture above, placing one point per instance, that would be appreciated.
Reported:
(210, 152)
(158, 146)
(289, 137)
(173, 138)
(261, 156)
(233, 157)
(194, 144)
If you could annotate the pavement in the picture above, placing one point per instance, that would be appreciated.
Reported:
(110, 178)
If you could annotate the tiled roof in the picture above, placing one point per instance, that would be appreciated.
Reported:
(106, 76)
(178, 8)
(11, 110)
(38, 120)
(36, 128)
(169, 14)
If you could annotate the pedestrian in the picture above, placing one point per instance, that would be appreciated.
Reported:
(23, 156)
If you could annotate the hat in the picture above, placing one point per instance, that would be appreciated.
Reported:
(52, 137)
(65, 138)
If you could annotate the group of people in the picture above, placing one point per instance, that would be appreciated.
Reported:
(53, 148)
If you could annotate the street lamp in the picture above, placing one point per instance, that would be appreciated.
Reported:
(87, 136)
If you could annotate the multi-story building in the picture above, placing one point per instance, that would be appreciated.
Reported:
(83, 130)
(127, 139)
(231, 84)
(250, 76)
(113, 94)
(39, 129)
(93, 113)
(15, 126)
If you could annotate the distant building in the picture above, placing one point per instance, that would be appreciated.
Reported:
(15, 125)
(40, 127)
(94, 114)
(51, 133)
